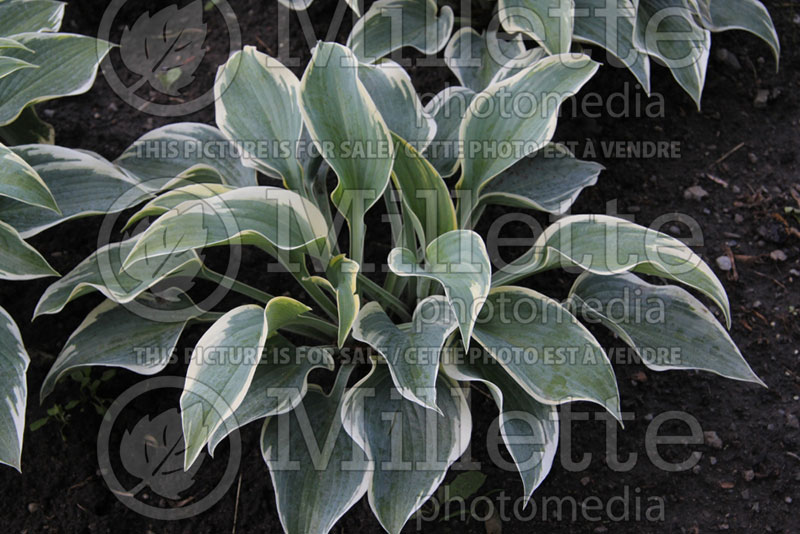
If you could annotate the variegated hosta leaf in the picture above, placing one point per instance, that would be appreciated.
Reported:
(748, 15)
(516, 117)
(318, 472)
(28, 128)
(411, 350)
(447, 108)
(81, 183)
(390, 88)
(102, 271)
(550, 181)
(424, 193)
(6, 42)
(222, 368)
(610, 23)
(112, 335)
(409, 447)
(549, 22)
(279, 384)
(376, 33)
(256, 103)
(349, 132)
(342, 274)
(160, 158)
(666, 29)
(20, 182)
(475, 58)
(14, 362)
(67, 65)
(19, 260)
(518, 64)
(30, 16)
(223, 365)
(545, 349)
(10, 65)
(355, 5)
(268, 217)
(172, 199)
(528, 427)
(668, 327)
(459, 261)
(609, 245)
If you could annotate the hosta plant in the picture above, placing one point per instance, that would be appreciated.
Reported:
(38, 63)
(636, 33)
(412, 336)
(41, 186)
(18, 261)
(673, 33)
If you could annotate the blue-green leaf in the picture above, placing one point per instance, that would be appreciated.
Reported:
(459, 261)
(668, 327)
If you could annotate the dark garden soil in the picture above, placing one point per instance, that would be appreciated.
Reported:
(744, 157)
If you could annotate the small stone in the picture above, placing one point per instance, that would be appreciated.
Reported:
(585, 481)
(738, 218)
(788, 500)
(792, 422)
(33, 507)
(753, 158)
(695, 192)
(648, 417)
(49, 113)
(773, 231)
(493, 525)
(761, 99)
(778, 255)
(712, 439)
(675, 230)
(696, 469)
(794, 272)
(600, 530)
(639, 376)
(724, 263)
(749, 475)
(712, 460)
(726, 56)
